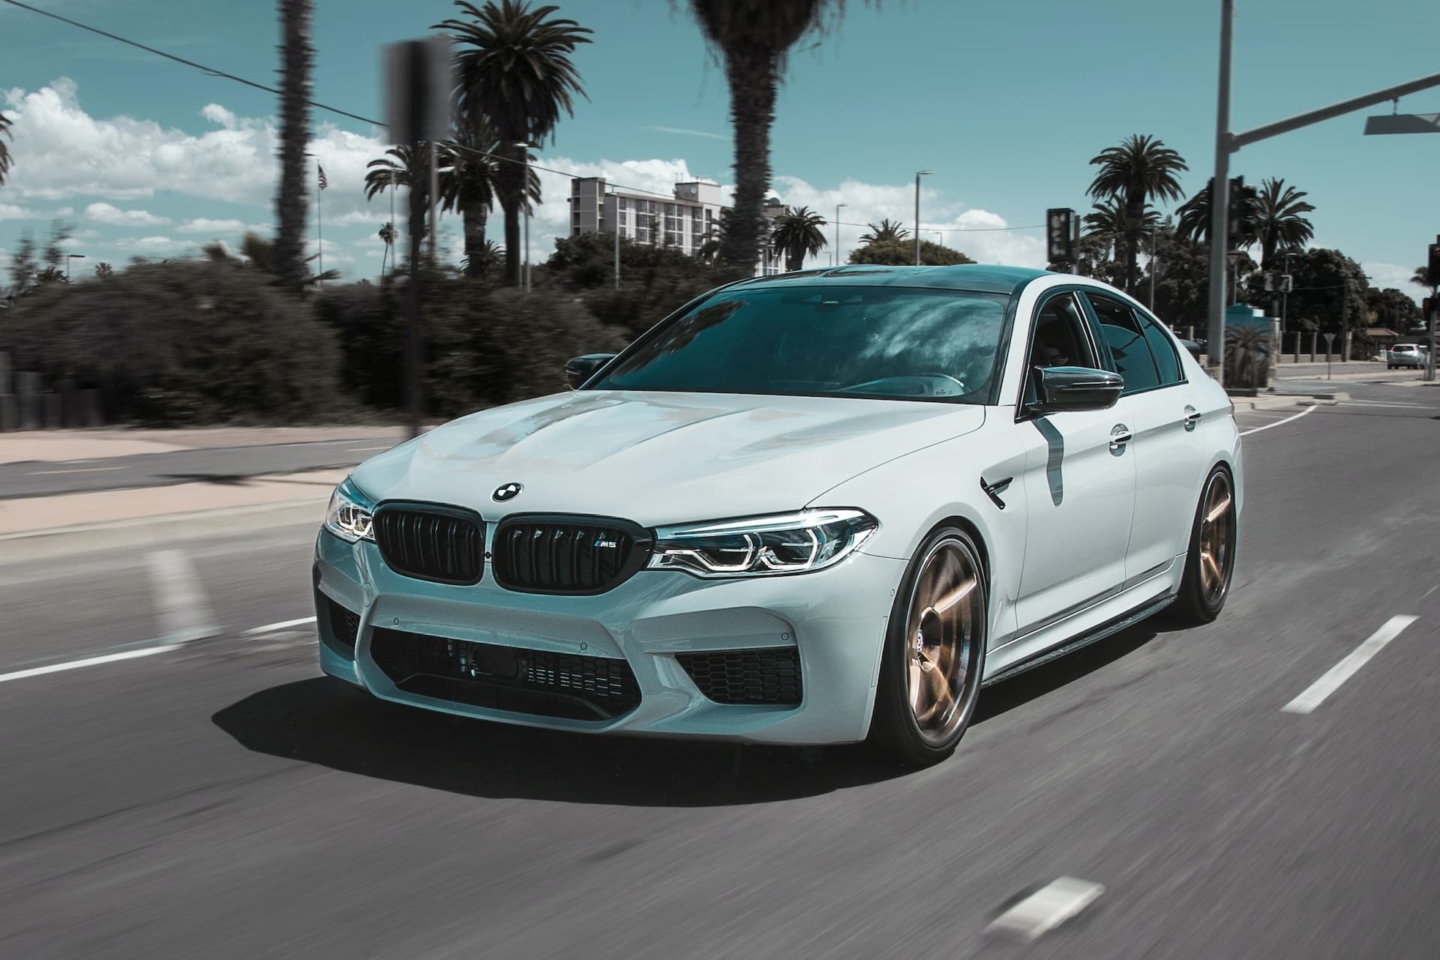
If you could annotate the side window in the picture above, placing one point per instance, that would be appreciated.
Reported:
(1058, 339)
(1126, 340)
(1163, 349)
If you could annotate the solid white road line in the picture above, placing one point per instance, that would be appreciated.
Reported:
(180, 601)
(87, 662)
(1347, 668)
(1048, 907)
(282, 625)
(52, 473)
(1277, 423)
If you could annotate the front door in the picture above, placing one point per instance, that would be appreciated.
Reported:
(1079, 484)
(1169, 462)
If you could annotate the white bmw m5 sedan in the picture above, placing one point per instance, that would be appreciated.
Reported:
(822, 507)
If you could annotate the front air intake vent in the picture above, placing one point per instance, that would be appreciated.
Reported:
(539, 553)
(431, 542)
(771, 675)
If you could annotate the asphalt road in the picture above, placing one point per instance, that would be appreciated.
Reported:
(212, 465)
(225, 800)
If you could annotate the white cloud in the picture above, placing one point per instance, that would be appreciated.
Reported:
(1384, 275)
(149, 244)
(65, 212)
(9, 211)
(60, 151)
(115, 217)
(207, 225)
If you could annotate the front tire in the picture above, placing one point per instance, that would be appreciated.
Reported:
(1210, 561)
(934, 652)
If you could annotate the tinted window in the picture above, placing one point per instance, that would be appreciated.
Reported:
(1058, 339)
(1126, 341)
(843, 340)
(1162, 348)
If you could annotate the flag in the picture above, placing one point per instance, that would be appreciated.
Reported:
(324, 182)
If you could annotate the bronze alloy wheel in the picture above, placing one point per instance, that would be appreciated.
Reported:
(944, 623)
(1217, 538)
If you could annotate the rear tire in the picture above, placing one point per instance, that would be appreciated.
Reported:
(1210, 561)
(930, 669)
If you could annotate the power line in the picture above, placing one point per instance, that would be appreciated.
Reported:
(211, 71)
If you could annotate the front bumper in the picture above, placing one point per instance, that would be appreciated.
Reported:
(834, 619)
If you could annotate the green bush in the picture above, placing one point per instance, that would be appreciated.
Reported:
(179, 344)
(482, 346)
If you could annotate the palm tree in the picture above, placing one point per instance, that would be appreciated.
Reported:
(291, 204)
(1423, 278)
(753, 38)
(387, 234)
(798, 234)
(1108, 223)
(4, 150)
(1139, 170)
(406, 166)
(1279, 220)
(885, 230)
(469, 185)
(103, 270)
(514, 70)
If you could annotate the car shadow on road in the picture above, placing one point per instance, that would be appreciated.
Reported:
(1033, 684)
(323, 721)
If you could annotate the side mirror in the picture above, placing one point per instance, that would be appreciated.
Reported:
(580, 369)
(1064, 389)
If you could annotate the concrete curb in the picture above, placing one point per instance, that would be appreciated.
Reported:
(164, 528)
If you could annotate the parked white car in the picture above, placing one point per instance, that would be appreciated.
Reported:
(811, 508)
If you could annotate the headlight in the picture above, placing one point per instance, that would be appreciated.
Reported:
(762, 546)
(349, 514)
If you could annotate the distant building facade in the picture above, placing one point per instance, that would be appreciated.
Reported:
(684, 223)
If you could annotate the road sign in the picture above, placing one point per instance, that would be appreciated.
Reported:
(1402, 123)
(419, 81)
(1287, 283)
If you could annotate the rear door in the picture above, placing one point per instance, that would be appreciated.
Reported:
(1169, 464)
(1079, 482)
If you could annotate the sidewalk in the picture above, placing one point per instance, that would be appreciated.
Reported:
(56, 446)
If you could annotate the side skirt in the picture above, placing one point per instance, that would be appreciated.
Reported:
(1148, 609)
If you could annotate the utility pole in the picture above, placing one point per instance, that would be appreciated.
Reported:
(918, 175)
(837, 232)
(1220, 200)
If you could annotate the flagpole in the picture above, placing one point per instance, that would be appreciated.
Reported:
(319, 227)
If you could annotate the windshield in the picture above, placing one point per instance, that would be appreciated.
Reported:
(880, 342)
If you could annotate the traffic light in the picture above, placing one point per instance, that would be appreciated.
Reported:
(1434, 263)
(1426, 307)
(1060, 235)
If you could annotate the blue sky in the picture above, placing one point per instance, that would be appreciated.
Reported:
(1005, 102)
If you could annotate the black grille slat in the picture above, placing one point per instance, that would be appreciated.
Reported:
(506, 678)
(344, 624)
(770, 675)
(567, 555)
(431, 543)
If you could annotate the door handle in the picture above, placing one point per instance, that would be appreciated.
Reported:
(1119, 436)
(1192, 417)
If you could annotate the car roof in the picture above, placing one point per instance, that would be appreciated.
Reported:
(981, 278)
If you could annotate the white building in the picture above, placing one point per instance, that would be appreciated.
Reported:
(683, 223)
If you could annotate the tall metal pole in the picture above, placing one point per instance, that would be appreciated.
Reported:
(1220, 200)
(1430, 362)
(434, 194)
(615, 196)
(320, 229)
(1152, 270)
(837, 233)
(917, 219)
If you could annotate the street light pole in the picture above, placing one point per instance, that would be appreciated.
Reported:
(918, 175)
(1220, 201)
(1152, 269)
(837, 232)
(68, 258)
(615, 225)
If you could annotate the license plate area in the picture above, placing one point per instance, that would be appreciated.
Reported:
(482, 660)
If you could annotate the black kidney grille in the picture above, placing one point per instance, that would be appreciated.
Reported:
(444, 546)
(566, 555)
(506, 678)
(746, 676)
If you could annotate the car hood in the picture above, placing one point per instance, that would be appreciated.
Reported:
(658, 458)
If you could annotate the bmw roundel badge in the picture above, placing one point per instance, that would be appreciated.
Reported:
(507, 492)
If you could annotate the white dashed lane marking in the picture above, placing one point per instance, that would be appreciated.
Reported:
(1048, 907)
(273, 627)
(87, 662)
(180, 600)
(1278, 423)
(1347, 668)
